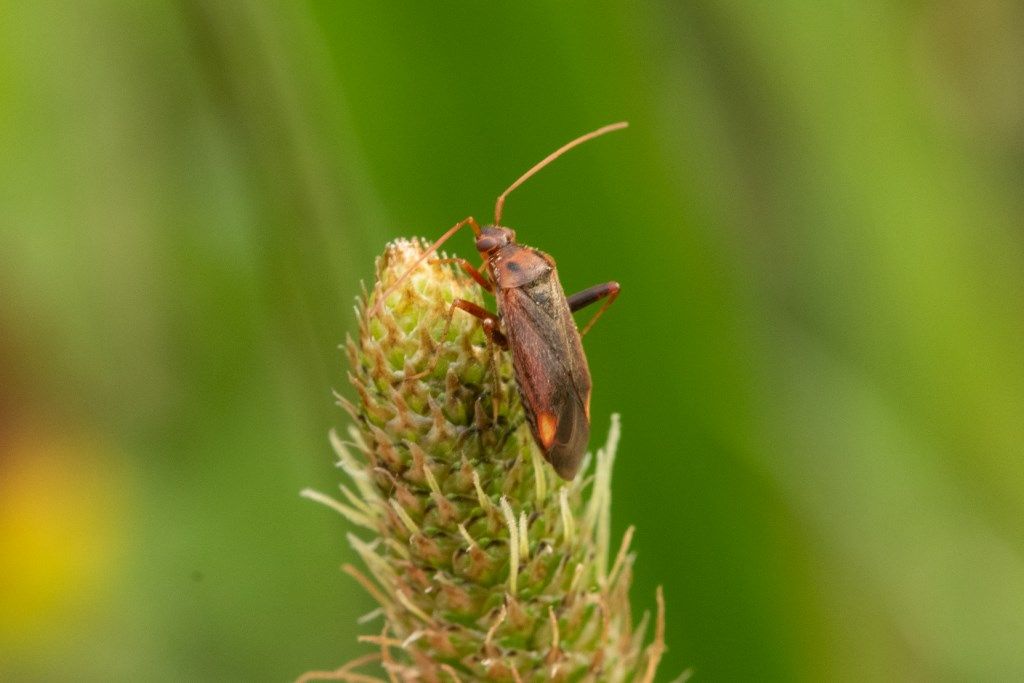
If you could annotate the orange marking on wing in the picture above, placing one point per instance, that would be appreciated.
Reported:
(586, 407)
(547, 424)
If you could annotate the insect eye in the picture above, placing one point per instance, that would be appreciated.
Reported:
(486, 243)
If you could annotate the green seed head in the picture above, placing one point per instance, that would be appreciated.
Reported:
(487, 566)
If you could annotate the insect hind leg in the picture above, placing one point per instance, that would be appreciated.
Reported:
(608, 291)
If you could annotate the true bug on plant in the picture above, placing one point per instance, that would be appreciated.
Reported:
(534, 321)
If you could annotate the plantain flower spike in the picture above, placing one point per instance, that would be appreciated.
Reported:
(485, 564)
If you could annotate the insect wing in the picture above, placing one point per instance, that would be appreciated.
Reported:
(551, 370)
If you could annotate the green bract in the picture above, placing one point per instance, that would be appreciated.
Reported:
(487, 566)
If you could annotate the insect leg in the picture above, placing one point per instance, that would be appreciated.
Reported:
(470, 270)
(468, 220)
(489, 321)
(608, 290)
(496, 338)
(490, 325)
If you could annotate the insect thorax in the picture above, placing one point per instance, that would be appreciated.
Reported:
(514, 266)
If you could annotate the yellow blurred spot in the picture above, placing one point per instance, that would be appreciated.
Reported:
(58, 529)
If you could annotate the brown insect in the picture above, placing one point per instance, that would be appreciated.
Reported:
(534, 321)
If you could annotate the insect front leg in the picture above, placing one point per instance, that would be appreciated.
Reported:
(608, 290)
(468, 220)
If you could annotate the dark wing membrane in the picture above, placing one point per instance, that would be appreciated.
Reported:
(551, 370)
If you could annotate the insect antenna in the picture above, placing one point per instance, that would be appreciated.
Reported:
(470, 221)
(500, 204)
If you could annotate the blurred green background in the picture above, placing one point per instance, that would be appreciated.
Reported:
(816, 217)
